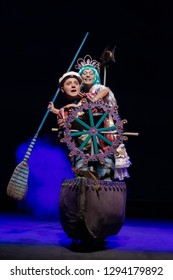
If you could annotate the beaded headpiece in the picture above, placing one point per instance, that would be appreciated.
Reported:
(87, 61)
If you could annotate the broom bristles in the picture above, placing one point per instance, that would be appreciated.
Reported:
(18, 183)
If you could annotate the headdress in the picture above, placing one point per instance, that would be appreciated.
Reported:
(87, 61)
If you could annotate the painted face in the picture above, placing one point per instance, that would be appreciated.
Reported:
(71, 88)
(88, 77)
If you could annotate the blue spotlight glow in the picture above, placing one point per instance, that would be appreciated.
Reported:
(48, 166)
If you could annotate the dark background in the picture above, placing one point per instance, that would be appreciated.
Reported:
(38, 43)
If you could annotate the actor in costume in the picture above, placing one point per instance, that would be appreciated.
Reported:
(93, 90)
(70, 84)
(89, 71)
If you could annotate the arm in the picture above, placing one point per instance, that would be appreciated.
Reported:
(68, 106)
(100, 95)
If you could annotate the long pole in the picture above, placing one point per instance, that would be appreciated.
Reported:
(18, 182)
(27, 155)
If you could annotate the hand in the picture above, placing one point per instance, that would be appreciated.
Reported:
(82, 94)
(52, 108)
(94, 99)
(61, 123)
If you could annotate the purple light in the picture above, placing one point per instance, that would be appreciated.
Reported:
(48, 166)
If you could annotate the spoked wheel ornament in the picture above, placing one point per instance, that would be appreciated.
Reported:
(88, 121)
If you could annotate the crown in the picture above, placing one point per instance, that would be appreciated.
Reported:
(87, 60)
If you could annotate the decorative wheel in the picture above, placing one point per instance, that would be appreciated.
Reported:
(86, 134)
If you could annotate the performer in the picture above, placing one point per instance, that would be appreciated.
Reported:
(89, 70)
(93, 90)
(70, 84)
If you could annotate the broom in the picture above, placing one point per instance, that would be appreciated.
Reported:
(18, 183)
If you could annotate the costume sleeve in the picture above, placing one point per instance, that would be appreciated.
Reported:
(61, 114)
(109, 98)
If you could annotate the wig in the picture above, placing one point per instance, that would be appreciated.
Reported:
(96, 73)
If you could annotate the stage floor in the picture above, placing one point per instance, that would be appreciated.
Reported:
(24, 237)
